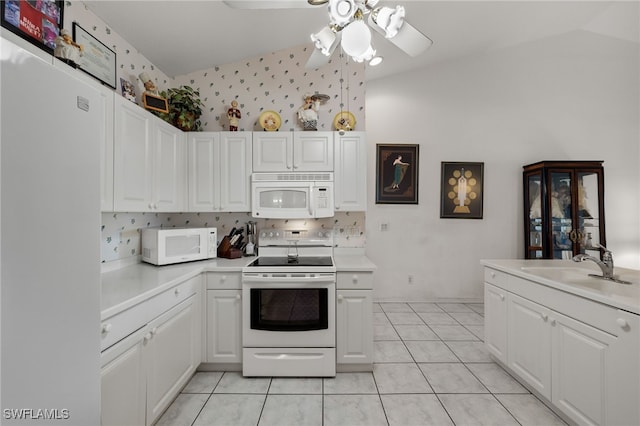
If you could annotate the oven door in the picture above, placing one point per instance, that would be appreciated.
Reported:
(289, 311)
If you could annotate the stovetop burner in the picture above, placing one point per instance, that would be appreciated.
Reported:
(292, 261)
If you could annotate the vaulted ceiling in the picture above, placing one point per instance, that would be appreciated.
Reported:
(180, 37)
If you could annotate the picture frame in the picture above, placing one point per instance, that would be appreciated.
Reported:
(155, 103)
(39, 26)
(397, 167)
(97, 59)
(128, 90)
(465, 204)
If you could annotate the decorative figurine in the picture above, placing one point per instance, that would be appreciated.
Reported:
(67, 50)
(149, 86)
(234, 115)
(308, 113)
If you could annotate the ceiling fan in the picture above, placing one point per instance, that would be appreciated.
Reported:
(349, 23)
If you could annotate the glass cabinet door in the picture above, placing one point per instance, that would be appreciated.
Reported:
(562, 232)
(533, 216)
(589, 203)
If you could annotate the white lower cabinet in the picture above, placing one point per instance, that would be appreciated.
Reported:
(142, 373)
(354, 320)
(580, 355)
(224, 331)
(224, 319)
(495, 332)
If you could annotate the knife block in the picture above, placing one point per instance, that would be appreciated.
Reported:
(225, 250)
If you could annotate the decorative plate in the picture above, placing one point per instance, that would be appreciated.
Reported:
(344, 120)
(270, 120)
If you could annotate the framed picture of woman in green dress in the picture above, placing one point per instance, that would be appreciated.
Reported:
(397, 174)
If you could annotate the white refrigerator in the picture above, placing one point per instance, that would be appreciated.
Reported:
(49, 243)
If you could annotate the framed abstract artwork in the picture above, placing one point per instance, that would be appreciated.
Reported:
(397, 174)
(461, 190)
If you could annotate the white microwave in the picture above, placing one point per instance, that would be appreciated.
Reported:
(292, 195)
(164, 246)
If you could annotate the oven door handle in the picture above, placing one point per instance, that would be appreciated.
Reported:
(328, 279)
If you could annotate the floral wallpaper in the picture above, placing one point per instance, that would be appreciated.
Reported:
(120, 233)
(278, 82)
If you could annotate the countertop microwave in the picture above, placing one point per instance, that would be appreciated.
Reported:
(165, 246)
(292, 195)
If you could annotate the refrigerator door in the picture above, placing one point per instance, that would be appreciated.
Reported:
(50, 242)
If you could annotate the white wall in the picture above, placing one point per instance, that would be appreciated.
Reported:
(573, 96)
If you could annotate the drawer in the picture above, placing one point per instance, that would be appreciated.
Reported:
(355, 280)
(496, 277)
(170, 298)
(119, 326)
(224, 281)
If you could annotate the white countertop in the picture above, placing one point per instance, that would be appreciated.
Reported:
(621, 296)
(133, 284)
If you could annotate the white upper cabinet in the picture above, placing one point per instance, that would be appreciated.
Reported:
(293, 152)
(350, 171)
(219, 171)
(149, 162)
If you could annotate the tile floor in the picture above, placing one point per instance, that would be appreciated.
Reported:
(430, 368)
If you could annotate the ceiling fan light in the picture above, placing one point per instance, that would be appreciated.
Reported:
(341, 12)
(375, 61)
(389, 20)
(325, 40)
(356, 39)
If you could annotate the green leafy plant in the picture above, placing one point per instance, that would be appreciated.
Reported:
(185, 108)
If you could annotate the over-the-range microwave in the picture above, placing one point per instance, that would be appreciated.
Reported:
(164, 246)
(294, 195)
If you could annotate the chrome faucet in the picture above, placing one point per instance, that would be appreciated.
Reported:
(606, 265)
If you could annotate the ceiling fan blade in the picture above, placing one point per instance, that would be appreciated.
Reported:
(409, 39)
(317, 60)
(267, 4)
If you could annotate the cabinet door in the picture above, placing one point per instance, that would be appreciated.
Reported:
(170, 356)
(584, 358)
(123, 383)
(133, 161)
(313, 151)
(350, 175)
(272, 152)
(235, 171)
(529, 343)
(169, 183)
(204, 156)
(495, 321)
(106, 151)
(224, 326)
(354, 327)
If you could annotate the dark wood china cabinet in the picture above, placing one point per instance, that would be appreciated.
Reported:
(563, 209)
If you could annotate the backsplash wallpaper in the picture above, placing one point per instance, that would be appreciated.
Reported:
(120, 234)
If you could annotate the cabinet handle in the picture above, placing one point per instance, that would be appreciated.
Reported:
(340, 297)
(150, 206)
(147, 337)
(553, 322)
(223, 278)
(493, 274)
(295, 167)
(238, 297)
(502, 297)
(355, 279)
(177, 291)
(622, 323)
(106, 328)
(544, 317)
(154, 331)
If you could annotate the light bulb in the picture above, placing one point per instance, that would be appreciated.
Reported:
(356, 39)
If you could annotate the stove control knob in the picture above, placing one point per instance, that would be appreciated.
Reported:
(263, 235)
(270, 234)
(320, 234)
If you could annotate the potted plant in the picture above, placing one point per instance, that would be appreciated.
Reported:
(185, 108)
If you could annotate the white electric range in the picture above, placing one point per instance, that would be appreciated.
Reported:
(289, 305)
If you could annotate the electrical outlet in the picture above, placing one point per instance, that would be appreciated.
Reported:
(384, 227)
(410, 279)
